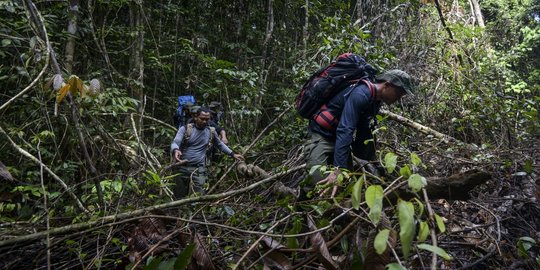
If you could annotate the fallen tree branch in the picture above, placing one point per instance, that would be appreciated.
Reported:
(134, 213)
(423, 129)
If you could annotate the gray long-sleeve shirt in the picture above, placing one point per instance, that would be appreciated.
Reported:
(194, 149)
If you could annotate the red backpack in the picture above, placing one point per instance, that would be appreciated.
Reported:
(324, 84)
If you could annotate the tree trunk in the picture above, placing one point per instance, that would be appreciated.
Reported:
(305, 30)
(72, 31)
(136, 73)
(477, 13)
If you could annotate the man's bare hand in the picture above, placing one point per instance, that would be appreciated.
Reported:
(239, 157)
(331, 182)
(178, 155)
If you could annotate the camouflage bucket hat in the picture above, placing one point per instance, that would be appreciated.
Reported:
(398, 78)
(194, 109)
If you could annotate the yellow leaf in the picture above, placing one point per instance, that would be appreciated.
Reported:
(62, 93)
(72, 81)
(83, 90)
(80, 86)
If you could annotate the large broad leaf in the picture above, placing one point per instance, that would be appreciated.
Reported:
(416, 182)
(319, 244)
(184, 258)
(437, 250)
(395, 266)
(356, 195)
(380, 241)
(374, 200)
(406, 225)
(390, 162)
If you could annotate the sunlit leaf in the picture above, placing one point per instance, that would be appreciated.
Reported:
(314, 168)
(405, 171)
(380, 242)
(423, 233)
(73, 82)
(395, 266)
(374, 200)
(184, 258)
(415, 160)
(440, 223)
(356, 196)
(416, 182)
(420, 209)
(406, 225)
(390, 162)
(437, 250)
(62, 93)
(524, 244)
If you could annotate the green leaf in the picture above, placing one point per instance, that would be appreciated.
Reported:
(314, 168)
(390, 162)
(395, 266)
(415, 160)
(184, 258)
(524, 244)
(437, 250)
(405, 171)
(117, 186)
(356, 195)
(440, 223)
(6, 42)
(380, 242)
(406, 225)
(423, 232)
(416, 182)
(420, 209)
(374, 200)
(153, 263)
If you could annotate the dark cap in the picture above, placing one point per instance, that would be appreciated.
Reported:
(398, 78)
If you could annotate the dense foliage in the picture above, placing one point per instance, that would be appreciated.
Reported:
(108, 140)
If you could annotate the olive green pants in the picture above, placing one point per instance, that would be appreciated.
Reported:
(190, 179)
(320, 151)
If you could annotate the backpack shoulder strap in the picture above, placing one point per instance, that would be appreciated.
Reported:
(371, 87)
(187, 134)
(213, 134)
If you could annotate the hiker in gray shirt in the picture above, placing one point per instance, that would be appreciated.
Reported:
(189, 147)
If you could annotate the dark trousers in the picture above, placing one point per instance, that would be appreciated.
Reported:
(191, 179)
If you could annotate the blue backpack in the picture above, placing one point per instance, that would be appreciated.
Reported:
(180, 116)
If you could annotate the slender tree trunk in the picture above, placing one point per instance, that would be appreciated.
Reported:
(136, 73)
(267, 37)
(72, 31)
(69, 55)
(477, 13)
(305, 30)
